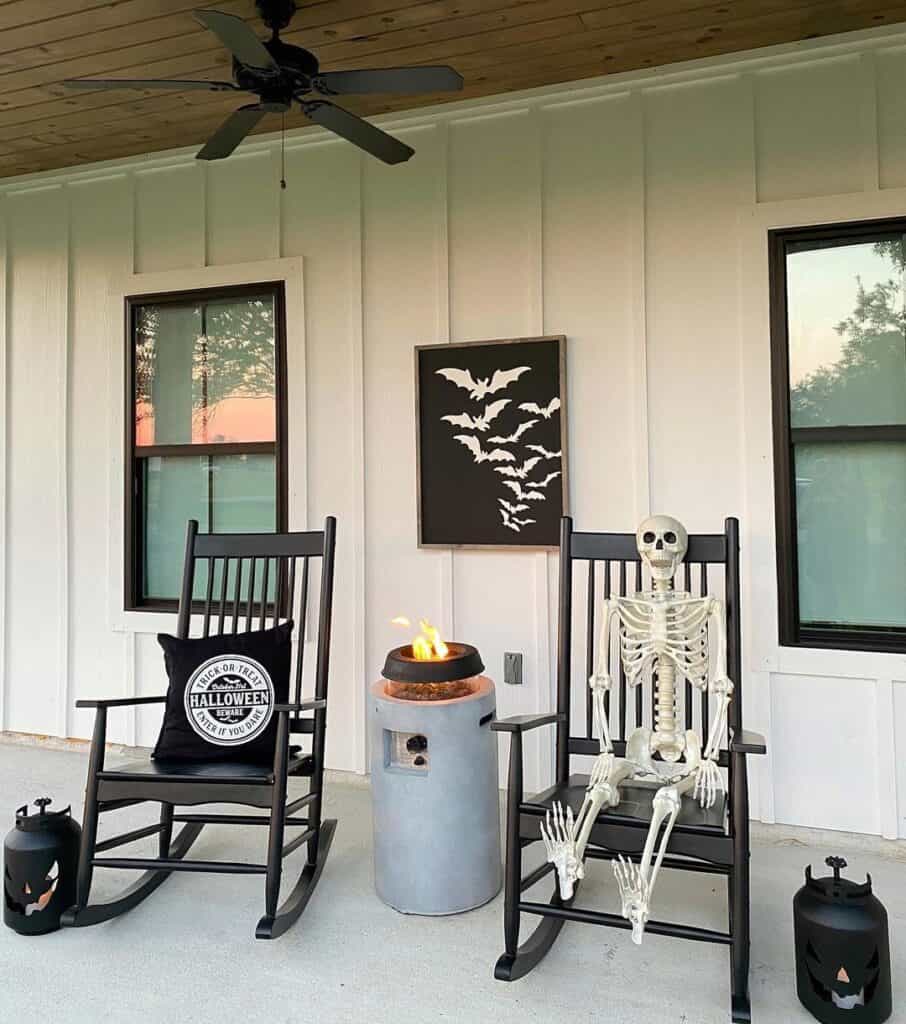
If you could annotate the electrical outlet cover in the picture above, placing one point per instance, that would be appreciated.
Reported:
(512, 668)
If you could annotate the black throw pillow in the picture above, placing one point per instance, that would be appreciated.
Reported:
(220, 704)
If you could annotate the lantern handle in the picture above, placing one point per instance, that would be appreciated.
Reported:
(836, 864)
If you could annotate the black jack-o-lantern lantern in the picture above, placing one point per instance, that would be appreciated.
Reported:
(40, 860)
(842, 949)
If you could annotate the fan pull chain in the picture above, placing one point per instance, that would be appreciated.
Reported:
(283, 151)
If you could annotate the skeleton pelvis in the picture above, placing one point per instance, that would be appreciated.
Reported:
(643, 744)
(670, 745)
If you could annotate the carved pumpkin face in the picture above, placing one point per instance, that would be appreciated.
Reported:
(842, 981)
(30, 893)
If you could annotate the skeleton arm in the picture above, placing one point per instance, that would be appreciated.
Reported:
(720, 686)
(600, 680)
(709, 781)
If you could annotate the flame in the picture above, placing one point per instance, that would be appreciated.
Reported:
(427, 646)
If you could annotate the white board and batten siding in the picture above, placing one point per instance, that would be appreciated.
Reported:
(629, 214)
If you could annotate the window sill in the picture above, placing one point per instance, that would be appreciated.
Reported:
(863, 641)
(146, 620)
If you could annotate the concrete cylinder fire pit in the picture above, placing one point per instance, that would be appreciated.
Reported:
(434, 781)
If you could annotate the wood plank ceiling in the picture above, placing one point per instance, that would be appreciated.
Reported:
(497, 45)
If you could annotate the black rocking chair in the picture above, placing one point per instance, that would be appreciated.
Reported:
(178, 784)
(714, 841)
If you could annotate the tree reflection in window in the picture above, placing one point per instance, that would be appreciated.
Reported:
(205, 372)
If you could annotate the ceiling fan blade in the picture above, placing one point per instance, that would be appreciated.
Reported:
(399, 80)
(357, 131)
(233, 130)
(237, 36)
(148, 83)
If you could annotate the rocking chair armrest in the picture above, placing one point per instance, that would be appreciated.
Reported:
(305, 705)
(120, 702)
(523, 723)
(744, 741)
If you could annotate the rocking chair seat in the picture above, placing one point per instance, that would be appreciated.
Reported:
(637, 805)
(238, 772)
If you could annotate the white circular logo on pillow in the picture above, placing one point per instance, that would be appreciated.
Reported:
(229, 699)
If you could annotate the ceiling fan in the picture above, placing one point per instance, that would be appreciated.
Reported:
(280, 74)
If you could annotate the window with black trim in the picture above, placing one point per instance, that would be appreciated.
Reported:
(205, 415)
(838, 340)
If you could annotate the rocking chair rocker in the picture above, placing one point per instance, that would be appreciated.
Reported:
(714, 840)
(178, 784)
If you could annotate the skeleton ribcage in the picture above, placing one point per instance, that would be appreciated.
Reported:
(675, 632)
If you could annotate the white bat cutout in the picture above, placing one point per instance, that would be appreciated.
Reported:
(522, 495)
(541, 450)
(484, 385)
(517, 433)
(511, 508)
(544, 482)
(519, 472)
(546, 411)
(481, 422)
(513, 523)
(479, 454)
(505, 516)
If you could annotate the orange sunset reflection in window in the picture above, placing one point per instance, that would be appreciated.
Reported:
(232, 419)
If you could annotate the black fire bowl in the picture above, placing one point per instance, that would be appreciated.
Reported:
(462, 662)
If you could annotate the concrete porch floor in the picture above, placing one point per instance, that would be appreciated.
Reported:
(188, 956)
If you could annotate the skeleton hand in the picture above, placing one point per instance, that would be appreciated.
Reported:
(708, 783)
(559, 835)
(600, 683)
(634, 896)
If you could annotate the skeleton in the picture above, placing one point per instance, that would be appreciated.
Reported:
(666, 636)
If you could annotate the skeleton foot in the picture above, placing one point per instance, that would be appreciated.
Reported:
(599, 783)
(559, 835)
(708, 783)
(634, 896)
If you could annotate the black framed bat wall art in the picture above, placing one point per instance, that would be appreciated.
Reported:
(491, 433)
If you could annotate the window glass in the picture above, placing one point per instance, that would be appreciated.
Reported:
(175, 490)
(225, 493)
(205, 372)
(243, 498)
(841, 463)
(850, 500)
(847, 348)
(204, 394)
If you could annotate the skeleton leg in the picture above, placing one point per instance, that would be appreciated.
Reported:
(566, 837)
(636, 882)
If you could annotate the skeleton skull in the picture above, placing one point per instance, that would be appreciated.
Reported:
(662, 543)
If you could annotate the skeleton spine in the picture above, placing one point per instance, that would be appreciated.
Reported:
(665, 706)
(665, 710)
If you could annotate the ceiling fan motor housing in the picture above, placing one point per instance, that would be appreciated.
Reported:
(297, 68)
